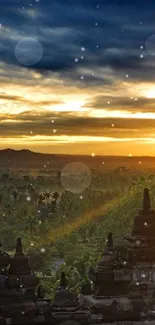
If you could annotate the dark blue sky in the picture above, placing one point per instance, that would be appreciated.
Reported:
(111, 33)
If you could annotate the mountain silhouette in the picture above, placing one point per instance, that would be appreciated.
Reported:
(11, 158)
(25, 158)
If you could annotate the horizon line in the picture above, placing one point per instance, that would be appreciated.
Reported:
(70, 154)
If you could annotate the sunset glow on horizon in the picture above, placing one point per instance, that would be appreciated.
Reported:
(75, 92)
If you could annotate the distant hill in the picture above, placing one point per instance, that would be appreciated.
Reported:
(24, 158)
(18, 159)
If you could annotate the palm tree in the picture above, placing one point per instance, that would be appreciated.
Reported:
(30, 224)
(55, 196)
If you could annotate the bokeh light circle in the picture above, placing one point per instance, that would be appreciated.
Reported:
(76, 177)
(150, 45)
(29, 51)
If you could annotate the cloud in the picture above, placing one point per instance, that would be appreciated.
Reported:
(105, 53)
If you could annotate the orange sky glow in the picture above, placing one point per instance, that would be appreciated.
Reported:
(46, 117)
(77, 79)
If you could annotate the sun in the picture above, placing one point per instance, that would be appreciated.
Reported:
(70, 106)
(150, 93)
(73, 105)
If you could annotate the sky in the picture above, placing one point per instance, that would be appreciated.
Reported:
(78, 77)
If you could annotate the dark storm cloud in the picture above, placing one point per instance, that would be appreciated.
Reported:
(23, 100)
(123, 103)
(118, 28)
(112, 50)
(26, 122)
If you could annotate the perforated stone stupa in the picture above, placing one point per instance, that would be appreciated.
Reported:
(123, 289)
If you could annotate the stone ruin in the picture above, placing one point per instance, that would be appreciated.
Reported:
(123, 284)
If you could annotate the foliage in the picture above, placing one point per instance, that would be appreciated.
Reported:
(32, 209)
